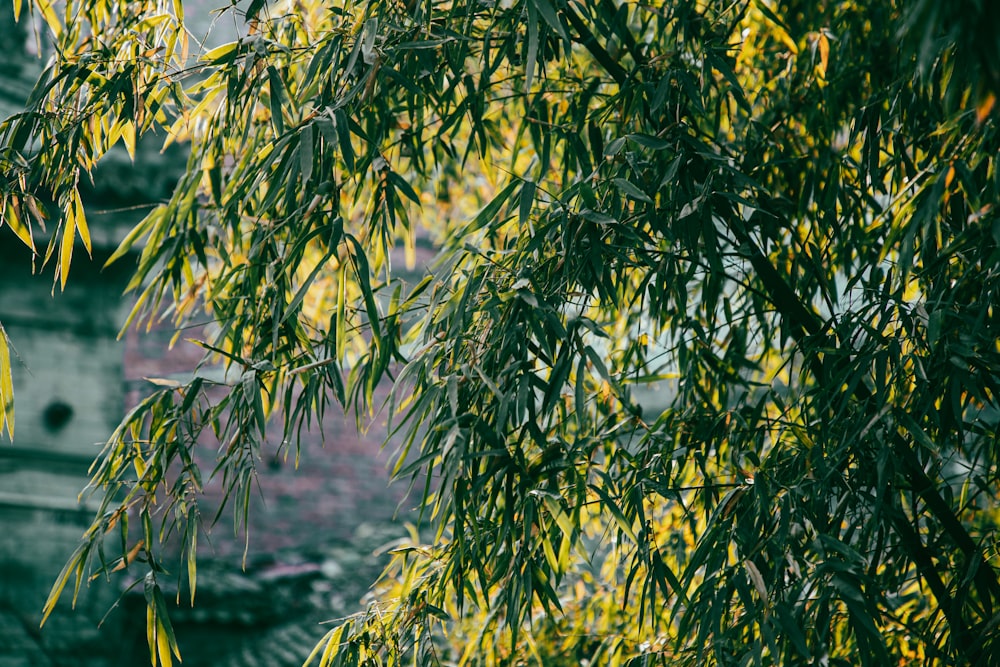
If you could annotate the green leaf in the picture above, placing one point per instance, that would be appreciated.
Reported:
(548, 13)
(614, 147)
(305, 149)
(254, 9)
(792, 628)
(526, 201)
(134, 235)
(648, 141)
(278, 99)
(344, 137)
(597, 217)
(632, 190)
(531, 57)
(720, 65)
(364, 274)
(490, 211)
(403, 186)
(611, 506)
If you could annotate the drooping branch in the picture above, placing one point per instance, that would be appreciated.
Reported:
(807, 331)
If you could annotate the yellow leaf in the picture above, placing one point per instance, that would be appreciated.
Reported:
(162, 382)
(220, 53)
(6, 387)
(81, 220)
(96, 79)
(550, 554)
(97, 132)
(163, 645)
(151, 632)
(129, 557)
(12, 216)
(778, 27)
(58, 586)
(49, 14)
(329, 651)
(322, 645)
(66, 247)
(605, 390)
(128, 138)
(824, 53)
(140, 467)
(192, 564)
(984, 108)
(149, 23)
(786, 39)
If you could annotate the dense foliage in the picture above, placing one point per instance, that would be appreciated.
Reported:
(706, 370)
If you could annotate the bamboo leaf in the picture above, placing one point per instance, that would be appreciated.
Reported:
(611, 506)
(278, 99)
(80, 216)
(192, 551)
(632, 190)
(531, 57)
(254, 9)
(71, 566)
(306, 156)
(66, 246)
(51, 18)
(548, 13)
(221, 55)
(6, 387)
(756, 579)
(12, 216)
(364, 282)
(490, 211)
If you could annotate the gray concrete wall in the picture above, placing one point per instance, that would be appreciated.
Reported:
(68, 397)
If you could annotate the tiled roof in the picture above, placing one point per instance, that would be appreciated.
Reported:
(274, 613)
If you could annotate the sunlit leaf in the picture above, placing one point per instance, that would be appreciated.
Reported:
(6, 387)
